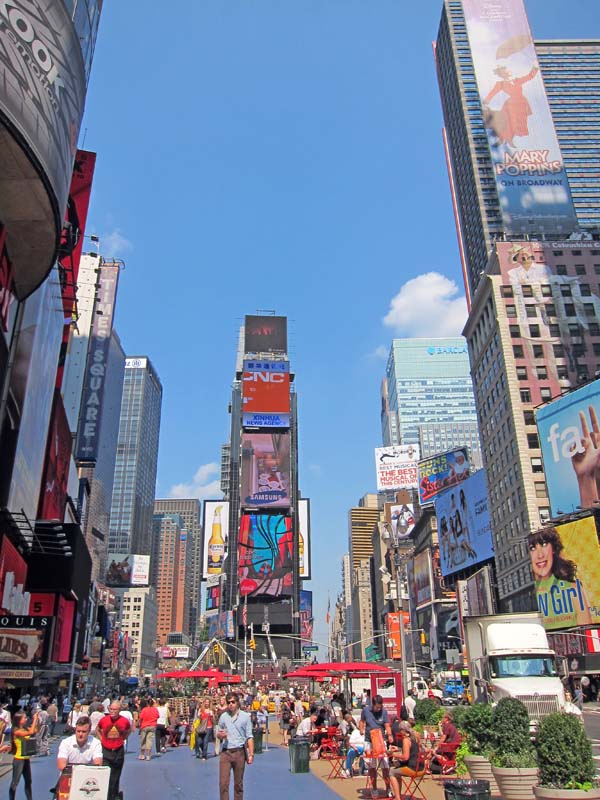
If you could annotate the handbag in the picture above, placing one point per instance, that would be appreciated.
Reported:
(203, 727)
(29, 746)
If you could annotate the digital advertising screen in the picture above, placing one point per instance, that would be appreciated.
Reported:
(265, 461)
(128, 569)
(304, 538)
(216, 533)
(265, 334)
(464, 526)
(266, 394)
(265, 555)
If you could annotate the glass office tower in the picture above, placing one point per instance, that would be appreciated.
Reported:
(134, 485)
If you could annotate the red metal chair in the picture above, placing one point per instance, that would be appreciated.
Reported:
(445, 757)
(413, 781)
(330, 743)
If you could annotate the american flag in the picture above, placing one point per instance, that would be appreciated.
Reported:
(245, 615)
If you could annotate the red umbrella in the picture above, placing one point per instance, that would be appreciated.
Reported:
(344, 667)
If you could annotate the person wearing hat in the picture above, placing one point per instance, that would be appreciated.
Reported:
(526, 269)
(404, 757)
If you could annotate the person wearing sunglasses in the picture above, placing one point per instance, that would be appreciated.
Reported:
(234, 730)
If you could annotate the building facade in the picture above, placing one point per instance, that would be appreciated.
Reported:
(189, 511)
(139, 619)
(437, 437)
(134, 485)
(570, 71)
(429, 381)
(171, 574)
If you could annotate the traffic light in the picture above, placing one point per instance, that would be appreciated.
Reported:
(216, 649)
(252, 644)
(423, 638)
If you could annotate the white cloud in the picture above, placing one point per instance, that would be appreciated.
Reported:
(201, 485)
(380, 353)
(114, 244)
(428, 305)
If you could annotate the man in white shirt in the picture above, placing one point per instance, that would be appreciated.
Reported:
(306, 727)
(81, 747)
(409, 704)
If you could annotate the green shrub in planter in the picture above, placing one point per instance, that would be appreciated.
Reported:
(564, 753)
(477, 724)
(463, 750)
(458, 716)
(425, 711)
(510, 729)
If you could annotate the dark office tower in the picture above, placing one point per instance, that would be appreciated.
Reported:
(501, 183)
(134, 486)
(189, 511)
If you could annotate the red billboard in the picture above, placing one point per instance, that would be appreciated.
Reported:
(13, 574)
(71, 242)
(63, 630)
(266, 387)
(53, 493)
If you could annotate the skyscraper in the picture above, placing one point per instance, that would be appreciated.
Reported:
(189, 511)
(428, 381)
(137, 456)
(171, 574)
(568, 70)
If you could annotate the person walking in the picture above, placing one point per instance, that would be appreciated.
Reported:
(113, 730)
(162, 725)
(235, 732)
(375, 718)
(21, 735)
(148, 718)
(220, 709)
(204, 729)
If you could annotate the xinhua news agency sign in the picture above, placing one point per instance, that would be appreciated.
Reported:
(88, 431)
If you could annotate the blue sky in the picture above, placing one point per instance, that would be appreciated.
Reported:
(259, 154)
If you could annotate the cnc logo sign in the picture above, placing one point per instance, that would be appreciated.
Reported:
(43, 83)
(266, 394)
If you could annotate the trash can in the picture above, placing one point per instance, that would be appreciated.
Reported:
(467, 790)
(299, 754)
(258, 741)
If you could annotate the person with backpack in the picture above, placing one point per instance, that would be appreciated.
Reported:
(286, 722)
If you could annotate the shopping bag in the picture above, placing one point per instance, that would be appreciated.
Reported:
(378, 749)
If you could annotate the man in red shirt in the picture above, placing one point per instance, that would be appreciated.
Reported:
(112, 730)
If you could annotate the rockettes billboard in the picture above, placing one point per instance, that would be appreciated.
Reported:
(530, 176)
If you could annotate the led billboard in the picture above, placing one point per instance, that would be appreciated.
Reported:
(565, 561)
(464, 526)
(304, 540)
(442, 472)
(265, 555)
(53, 494)
(128, 569)
(569, 434)
(266, 394)
(306, 615)
(396, 467)
(265, 470)
(530, 176)
(265, 334)
(216, 533)
(421, 582)
(213, 594)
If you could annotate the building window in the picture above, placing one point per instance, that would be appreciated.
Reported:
(580, 269)
(585, 289)
(530, 311)
(532, 441)
(534, 331)
(558, 350)
(511, 311)
(527, 290)
(589, 309)
(546, 290)
(522, 373)
(554, 331)
(570, 309)
(529, 417)
(525, 396)
(518, 350)
(538, 351)
(551, 309)
(546, 393)
(540, 489)
(536, 465)
(507, 291)
(594, 329)
(565, 289)
(515, 331)
(542, 372)
(544, 513)
(561, 269)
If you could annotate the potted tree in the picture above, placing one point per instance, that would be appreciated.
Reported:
(513, 756)
(477, 725)
(565, 760)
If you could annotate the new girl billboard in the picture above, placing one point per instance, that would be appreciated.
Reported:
(530, 176)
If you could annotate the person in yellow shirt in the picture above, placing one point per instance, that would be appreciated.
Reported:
(21, 736)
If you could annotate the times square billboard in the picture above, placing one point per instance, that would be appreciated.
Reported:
(266, 394)
(531, 180)
(265, 555)
(265, 334)
(265, 468)
(397, 467)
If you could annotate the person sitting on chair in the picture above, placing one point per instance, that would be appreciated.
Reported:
(406, 757)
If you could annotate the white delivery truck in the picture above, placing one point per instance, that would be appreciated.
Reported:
(509, 656)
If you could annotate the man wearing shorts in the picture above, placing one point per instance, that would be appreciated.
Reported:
(375, 717)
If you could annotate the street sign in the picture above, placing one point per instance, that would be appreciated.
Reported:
(310, 648)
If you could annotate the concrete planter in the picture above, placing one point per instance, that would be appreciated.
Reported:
(516, 783)
(545, 793)
(480, 769)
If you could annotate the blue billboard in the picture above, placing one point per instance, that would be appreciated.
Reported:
(569, 435)
(464, 525)
(532, 184)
